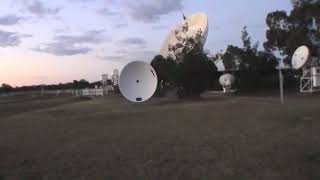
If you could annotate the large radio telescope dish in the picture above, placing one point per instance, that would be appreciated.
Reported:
(196, 23)
(300, 57)
(226, 80)
(138, 81)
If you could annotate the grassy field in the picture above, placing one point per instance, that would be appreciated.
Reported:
(218, 138)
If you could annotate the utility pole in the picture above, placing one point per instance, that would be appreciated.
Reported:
(281, 85)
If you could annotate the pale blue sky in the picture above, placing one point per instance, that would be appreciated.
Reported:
(43, 41)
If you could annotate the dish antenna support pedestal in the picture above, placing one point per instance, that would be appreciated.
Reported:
(310, 79)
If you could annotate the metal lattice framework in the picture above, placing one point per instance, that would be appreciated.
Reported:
(309, 82)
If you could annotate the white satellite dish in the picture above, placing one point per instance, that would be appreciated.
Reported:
(195, 23)
(138, 81)
(226, 81)
(300, 57)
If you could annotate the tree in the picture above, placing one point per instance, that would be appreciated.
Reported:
(300, 27)
(82, 84)
(6, 88)
(196, 73)
(257, 71)
(299, 3)
(166, 72)
(254, 69)
(246, 40)
(232, 58)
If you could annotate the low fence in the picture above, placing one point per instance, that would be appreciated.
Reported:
(69, 92)
(93, 92)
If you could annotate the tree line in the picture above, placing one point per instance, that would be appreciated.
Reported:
(76, 84)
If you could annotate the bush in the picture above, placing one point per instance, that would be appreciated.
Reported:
(196, 73)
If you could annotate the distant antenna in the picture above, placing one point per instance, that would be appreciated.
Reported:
(104, 79)
(226, 81)
(300, 57)
(138, 81)
(115, 77)
(104, 83)
(115, 72)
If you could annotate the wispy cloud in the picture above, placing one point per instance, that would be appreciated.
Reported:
(121, 51)
(160, 27)
(90, 37)
(58, 49)
(81, 1)
(67, 45)
(151, 11)
(133, 41)
(106, 12)
(126, 56)
(121, 25)
(10, 19)
(9, 39)
(115, 58)
(40, 9)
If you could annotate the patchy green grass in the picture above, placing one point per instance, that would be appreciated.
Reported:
(22, 104)
(313, 164)
(227, 138)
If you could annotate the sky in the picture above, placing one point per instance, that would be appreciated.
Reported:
(48, 42)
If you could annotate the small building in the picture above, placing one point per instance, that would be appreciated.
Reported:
(92, 92)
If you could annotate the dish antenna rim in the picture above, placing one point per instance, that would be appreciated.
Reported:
(300, 57)
(228, 76)
(138, 81)
(198, 20)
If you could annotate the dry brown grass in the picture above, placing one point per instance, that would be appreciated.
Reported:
(223, 138)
